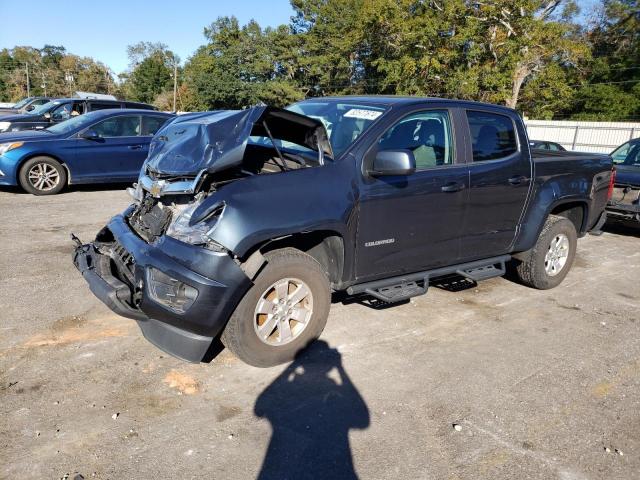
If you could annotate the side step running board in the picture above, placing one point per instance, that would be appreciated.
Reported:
(478, 274)
(402, 287)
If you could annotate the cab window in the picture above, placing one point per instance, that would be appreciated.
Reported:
(493, 136)
(427, 134)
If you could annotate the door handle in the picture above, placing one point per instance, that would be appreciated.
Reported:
(452, 187)
(135, 147)
(517, 180)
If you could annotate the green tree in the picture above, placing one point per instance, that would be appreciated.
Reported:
(241, 66)
(151, 71)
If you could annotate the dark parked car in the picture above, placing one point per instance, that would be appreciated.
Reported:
(57, 111)
(244, 222)
(544, 145)
(25, 105)
(99, 147)
(625, 202)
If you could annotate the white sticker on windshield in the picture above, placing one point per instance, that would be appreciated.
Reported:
(363, 114)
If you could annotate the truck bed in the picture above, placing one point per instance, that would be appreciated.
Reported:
(549, 156)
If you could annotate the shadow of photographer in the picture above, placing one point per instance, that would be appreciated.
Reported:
(312, 406)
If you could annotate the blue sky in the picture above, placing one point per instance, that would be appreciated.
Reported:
(103, 30)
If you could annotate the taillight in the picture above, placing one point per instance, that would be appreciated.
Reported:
(612, 182)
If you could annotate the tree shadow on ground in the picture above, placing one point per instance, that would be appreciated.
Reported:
(311, 406)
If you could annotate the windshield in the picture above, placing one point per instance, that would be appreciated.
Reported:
(73, 123)
(44, 108)
(344, 121)
(22, 102)
(620, 154)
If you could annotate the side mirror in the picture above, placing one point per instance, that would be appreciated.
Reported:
(47, 116)
(393, 162)
(90, 135)
(29, 108)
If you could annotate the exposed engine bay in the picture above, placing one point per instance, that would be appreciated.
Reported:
(196, 155)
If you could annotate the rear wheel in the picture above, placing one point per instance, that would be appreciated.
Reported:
(283, 312)
(42, 176)
(549, 261)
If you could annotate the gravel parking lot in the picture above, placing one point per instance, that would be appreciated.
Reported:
(496, 381)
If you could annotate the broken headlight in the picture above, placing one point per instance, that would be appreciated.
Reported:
(197, 234)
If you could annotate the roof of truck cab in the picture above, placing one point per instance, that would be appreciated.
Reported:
(401, 100)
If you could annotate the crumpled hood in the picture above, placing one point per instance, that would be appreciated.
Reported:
(213, 141)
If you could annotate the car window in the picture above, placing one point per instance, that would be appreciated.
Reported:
(66, 111)
(634, 156)
(427, 134)
(22, 103)
(38, 102)
(619, 155)
(151, 124)
(120, 126)
(104, 106)
(553, 146)
(493, 136)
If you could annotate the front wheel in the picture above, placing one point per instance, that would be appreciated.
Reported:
(42, 176)
(284, 311)
(549, 261)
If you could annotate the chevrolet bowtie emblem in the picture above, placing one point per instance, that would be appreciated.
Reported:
(156, 188)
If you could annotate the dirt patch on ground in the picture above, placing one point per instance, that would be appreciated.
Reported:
(77, 329)
(182, 382)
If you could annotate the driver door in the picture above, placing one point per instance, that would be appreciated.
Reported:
(414, 222)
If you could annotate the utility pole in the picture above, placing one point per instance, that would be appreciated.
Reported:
(175, 83)
(26, 66)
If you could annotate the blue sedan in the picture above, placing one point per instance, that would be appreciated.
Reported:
(98, 147)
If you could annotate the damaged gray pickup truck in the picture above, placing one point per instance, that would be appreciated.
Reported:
(244, 222)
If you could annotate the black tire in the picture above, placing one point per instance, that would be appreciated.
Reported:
(241, 336)
(53, 183)
(532, 269)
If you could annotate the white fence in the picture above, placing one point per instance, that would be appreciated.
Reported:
(600, 137)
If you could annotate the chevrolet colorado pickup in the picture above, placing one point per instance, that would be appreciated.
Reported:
(244, 222)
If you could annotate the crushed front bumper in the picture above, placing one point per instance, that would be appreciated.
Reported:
(116, 268)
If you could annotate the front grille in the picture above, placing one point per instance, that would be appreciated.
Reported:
(149, 219)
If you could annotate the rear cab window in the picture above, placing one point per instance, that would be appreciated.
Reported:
(493, 136)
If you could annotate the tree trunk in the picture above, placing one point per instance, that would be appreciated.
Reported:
(519, 76)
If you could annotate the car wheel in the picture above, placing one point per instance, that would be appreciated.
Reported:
(285, 310)
(42, 176)
(549, 261)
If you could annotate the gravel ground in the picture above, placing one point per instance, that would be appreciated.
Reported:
(497, 381)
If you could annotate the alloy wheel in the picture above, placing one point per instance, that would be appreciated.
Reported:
(557, 255)
(283, 311)
(43, 177)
